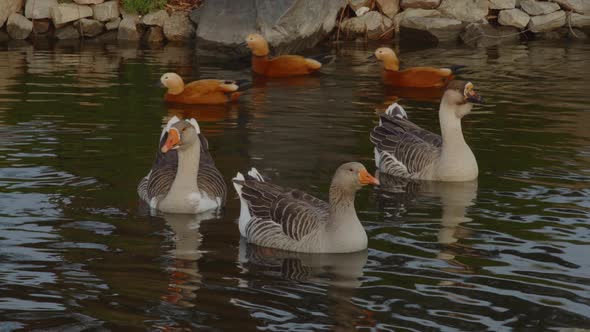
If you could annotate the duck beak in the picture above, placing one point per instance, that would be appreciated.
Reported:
(366, 178)
(172, 141)
(473, 97)
(243, 44)
(372, 57)
(158, 84)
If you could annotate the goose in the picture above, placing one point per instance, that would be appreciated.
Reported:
(279, 66)
(415, 77)
(204, 92)
(184, 178)
(405, 150)
(292, 220)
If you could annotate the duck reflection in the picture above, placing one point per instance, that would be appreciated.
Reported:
(205, 113)
(455, 198)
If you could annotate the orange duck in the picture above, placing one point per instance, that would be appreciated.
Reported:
(280, 66)
(207, 92)
(415, 77)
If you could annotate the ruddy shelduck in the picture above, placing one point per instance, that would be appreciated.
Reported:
(280, 66)
(415, 77)
(208, 91)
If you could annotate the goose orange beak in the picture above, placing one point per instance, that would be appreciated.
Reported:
(172, 141)
(366, 178)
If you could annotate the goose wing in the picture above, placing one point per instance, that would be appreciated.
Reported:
(209, 177)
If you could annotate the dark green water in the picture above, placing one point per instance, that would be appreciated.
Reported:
(79, 127)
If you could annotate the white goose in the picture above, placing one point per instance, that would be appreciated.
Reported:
(289, 219)
(184, 178)
(405, 150)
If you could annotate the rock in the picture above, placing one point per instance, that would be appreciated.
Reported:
(109, 36)
(195, 15)
(558, 34)
(4, 37)
(485, 35)
(373, 24)
(288, 25)
(464, 10)
(514, 17)
(41, 26)
(423, 4)
(155, 34)
(113, 24)
(156, 18)
(88, 2)
(431, 30)
(128, 29)
(414, 12)
(67, 32)
(356, 4)
(7, 7)
(39, 9)
(533, 7)
(389, 8)
(575, 34)
(579, 21)
(18, 27)
(547, 22)
(178, 27)
(107, 11)
(89, 27)
(502, 4)
(579, 6)
(361, 11)
(68, 12)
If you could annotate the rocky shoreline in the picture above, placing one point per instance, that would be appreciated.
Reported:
(292, 25)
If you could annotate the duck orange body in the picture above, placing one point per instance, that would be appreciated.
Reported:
(207, 92)
(280, 66)
(415, 77)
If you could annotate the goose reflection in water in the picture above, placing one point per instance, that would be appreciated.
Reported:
(455, 198)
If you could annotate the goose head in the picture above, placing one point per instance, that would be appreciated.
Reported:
(388, 56)
(182, 135)
(352, 176)
(173, 82)
(257, 44)
(460, 97)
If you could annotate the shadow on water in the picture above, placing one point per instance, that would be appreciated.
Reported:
(80, 124)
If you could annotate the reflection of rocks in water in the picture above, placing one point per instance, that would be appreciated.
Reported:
(341, 270)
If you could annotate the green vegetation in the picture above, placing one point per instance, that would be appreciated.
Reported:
(143, 6)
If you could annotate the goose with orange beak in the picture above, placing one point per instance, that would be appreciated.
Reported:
(184, 178)
(289, 219)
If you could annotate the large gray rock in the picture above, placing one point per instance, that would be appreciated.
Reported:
(106, 11)
(89, 28)
(356, 4)
(389, 7)
(39, 9)
(465, 10)
(547, 22)
(156, 18)
(68, 12)
(18, 27)
(414, 12)
(88, 2)
(430, 30)
(579, 21)
(113, 24)
(128, 29)
(288, 25)
(178, 27)
(7, 7)
(533, 7)
(502, 4)
(67, 32)
(514, 17)
(485, 35)
(373, 24)
(423, 4)
(579, 6)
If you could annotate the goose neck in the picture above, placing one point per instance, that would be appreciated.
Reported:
(341, 201)
(188, 167)
(450, 126)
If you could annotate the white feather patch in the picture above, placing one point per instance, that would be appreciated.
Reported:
(169, 125)
(396, 110)
(195, 124)
(377, 157)
(244, 210)
(255, 174)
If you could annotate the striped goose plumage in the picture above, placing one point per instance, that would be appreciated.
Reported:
(405, 150)
(289, 219)
(209, 190)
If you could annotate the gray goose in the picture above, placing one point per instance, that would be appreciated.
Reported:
(289, 219)
(405, 150)
(184, 178)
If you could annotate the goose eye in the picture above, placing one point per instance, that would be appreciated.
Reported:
(183, 129)
(352, 170)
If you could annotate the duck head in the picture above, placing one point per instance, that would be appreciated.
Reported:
(387, 56)
(352, 176)
(182, 135)
(257, 44)
(460, 96)
(173, 82)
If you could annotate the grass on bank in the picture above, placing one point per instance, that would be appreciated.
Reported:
(146, 6)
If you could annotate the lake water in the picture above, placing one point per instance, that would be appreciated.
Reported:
(79, 126)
